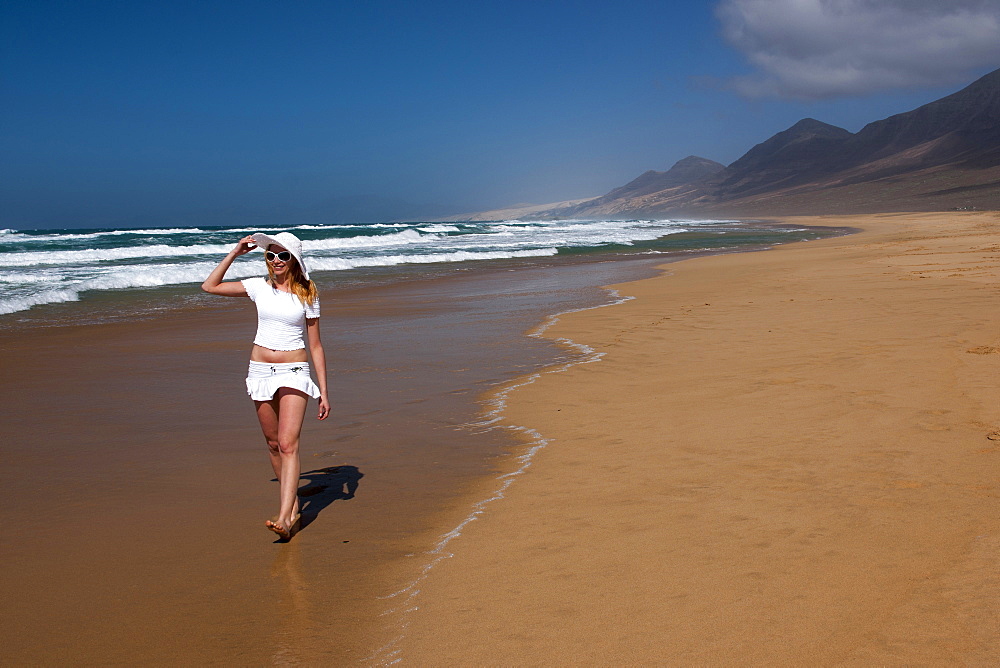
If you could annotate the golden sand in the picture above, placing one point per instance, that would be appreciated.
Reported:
(782, 458)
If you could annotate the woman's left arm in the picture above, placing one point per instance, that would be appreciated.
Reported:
(318, 357)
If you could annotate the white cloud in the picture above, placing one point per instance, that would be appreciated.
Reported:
(829, 48)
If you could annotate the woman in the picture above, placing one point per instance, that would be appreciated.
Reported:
(279, 381)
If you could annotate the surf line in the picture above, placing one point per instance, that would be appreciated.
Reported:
(390, 654)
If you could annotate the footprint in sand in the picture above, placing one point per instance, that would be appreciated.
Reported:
(984, 350)
(931, 426)
(785, 380)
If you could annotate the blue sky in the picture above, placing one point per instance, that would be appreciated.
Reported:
(141, 113)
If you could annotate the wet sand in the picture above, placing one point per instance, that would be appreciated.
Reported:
(782, 458)
(135, 481)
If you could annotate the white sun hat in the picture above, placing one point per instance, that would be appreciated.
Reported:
(286, 240)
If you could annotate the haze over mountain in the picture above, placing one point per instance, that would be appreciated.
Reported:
(942, 155)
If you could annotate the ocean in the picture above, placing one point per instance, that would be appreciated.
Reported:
(108, 267)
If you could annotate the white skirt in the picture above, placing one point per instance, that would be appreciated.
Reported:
(264, 379)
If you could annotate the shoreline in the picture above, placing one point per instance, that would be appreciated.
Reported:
(147, 421)
(504, 582)
(526, 442)
(136, 395)
(518, 456)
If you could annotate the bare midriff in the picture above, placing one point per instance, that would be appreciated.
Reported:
(262, 354)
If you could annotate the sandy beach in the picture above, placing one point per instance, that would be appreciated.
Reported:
(781, 458)
(135, 482)
(778, 457)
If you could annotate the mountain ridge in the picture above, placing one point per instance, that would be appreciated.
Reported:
(942, 155)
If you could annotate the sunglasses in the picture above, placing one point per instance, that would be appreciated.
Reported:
(284, 256)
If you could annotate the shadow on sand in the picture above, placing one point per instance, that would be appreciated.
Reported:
(325, 486)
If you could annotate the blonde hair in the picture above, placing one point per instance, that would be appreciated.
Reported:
(304, 289)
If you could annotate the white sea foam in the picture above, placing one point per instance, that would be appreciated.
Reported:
(171, 230)
(19, 277)
(349, 226)
(31, 258)
(439, 228)
(335, 264)
(91, 255)
(60, 266)
(368, 241)
(157, 275)
(120, 278)
(25, 302)
(11, 236)
(62, 236)
(565, 235)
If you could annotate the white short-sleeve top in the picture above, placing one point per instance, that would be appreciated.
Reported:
(281, 316)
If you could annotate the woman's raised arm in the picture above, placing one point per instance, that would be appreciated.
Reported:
(214, 284)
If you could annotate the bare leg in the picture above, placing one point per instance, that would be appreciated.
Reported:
(281, 421)
(291, 412)
(267, 415)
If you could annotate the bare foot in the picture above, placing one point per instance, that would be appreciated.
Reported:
(279, 527)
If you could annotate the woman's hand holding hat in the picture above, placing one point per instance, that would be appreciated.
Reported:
(245, 245)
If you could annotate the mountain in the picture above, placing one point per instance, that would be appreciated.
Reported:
(685, 175)
(689, 170)
(942, 155)
(962, 127)
(788, 158)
